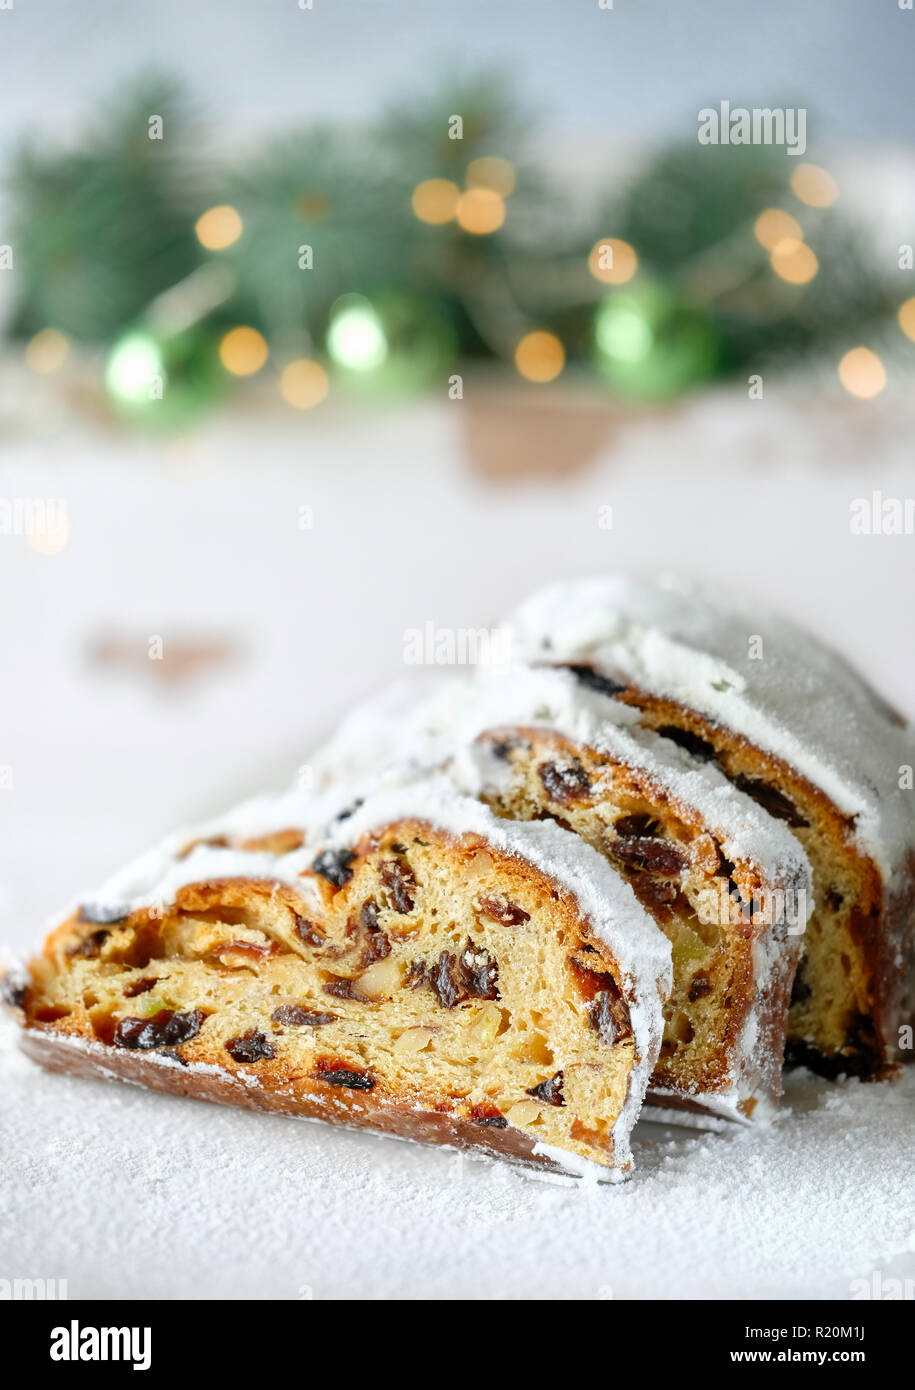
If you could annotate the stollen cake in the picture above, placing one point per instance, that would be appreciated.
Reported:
(413, 964)
(792, 725)
(727, 883)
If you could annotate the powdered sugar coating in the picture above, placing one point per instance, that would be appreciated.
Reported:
(409, 728)
(608, 904)
(798, 700)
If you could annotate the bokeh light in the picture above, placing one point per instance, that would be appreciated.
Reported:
(540, 356)
(814, 186)
(304, 384)
(243, 351)
(612, 261)
(774, 225)
(133, 366)
(906, 317)
(47, 351)
(862, 373)
(489, 171)
(218, 228)
(356, 338)
(435, 201)
(793, 260)
(623, 332)
(480, 211)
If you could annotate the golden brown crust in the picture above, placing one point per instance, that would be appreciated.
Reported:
(866, 937)
(702, 1049)
(302, 1097)
(227, 952)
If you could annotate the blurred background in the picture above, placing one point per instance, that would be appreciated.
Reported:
(317, 325)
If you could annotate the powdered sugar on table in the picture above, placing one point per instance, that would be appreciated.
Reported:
(125, 1193)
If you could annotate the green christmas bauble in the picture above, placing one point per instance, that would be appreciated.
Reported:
(163, 380)
(392, 343)
(650, 345)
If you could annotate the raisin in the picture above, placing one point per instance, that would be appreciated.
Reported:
(657, 895)
(307, 931)
(834, 899)
(90, 945)
(337, 1075)
(334, 865)
(509, 914)
(471, 975)
(342, 989)
(368, 914)
(12, 992)
(566, 782)
(589, 982)
(252, 1046)
(348, 810)
(549, 1090)
(164, 1029)
(503, 748)
(645, 852)
(692, 743)
(416, 975)
(488, 1116)
(609, 1016)
(608, 1013)
(295, 1016)
(104, 916)
(140, 986)
(699, 987)
(377, 947)
(596, 680)
(398, 878)
(635, 826)
(726, 870)
(771, 800)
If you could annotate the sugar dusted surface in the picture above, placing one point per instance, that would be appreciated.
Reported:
(221, 1203)
(605, 900)
(802, 701)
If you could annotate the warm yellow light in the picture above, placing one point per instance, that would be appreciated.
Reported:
(480, 211)
(435, 201)
(304, 384)
(862, 373)
(243, 351)
(814, 186)
(612, 261)
(489, 171)
(793, 261)
(47, 351)
(540, 356)
(906, 317)
(218, 228)
(773, 226)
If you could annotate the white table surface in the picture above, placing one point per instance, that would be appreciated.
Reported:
(125, 1192)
